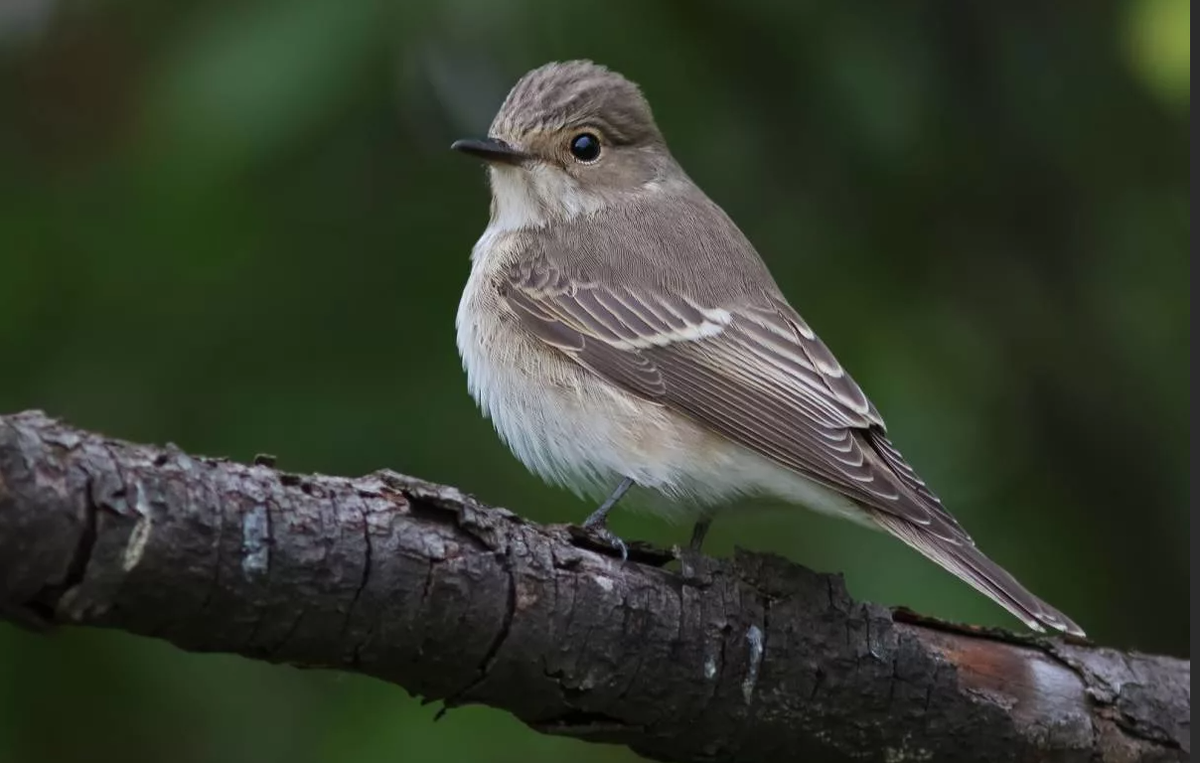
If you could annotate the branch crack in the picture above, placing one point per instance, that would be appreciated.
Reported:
(364, 578)
(46, 603)
(490, 655)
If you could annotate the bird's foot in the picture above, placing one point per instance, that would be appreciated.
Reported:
(595, 528)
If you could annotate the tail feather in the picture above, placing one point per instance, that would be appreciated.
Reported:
(969, 564)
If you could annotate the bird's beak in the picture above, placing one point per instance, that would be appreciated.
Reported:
(490, 150)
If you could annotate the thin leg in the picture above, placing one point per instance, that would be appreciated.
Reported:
(596, 523)
(599, 517)
(698, 533)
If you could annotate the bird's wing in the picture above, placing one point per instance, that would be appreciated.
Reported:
(750, 370)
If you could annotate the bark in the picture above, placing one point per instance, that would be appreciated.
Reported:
(746, 659)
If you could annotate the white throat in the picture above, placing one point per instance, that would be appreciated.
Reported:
(533, 195)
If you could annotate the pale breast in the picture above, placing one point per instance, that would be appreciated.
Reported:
(563, 423)
(536, 398)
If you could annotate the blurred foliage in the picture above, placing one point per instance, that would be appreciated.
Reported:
(235, 226)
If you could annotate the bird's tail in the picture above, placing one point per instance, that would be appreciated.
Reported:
(962, 558)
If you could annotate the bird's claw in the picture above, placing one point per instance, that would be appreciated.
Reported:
(601, 533)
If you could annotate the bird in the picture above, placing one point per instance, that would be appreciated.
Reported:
(620, 330)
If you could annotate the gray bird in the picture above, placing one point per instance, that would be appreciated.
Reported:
(620, 330)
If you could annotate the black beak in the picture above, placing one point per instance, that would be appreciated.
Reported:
(489, 149)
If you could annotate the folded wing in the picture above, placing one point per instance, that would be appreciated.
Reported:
(753, 371)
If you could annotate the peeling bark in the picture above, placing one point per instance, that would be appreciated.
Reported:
(747, 659)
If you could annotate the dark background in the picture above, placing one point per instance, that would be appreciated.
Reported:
(236, 226)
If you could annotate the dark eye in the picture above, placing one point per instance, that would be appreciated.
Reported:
(585, 147)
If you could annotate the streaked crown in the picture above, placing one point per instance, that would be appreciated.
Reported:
(562, 95)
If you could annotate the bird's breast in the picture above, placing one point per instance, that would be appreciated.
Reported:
(531, 393)
(563, 422)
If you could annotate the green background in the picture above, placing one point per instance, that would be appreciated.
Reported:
(236, 226)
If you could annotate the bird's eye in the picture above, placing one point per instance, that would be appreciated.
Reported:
(585, 147)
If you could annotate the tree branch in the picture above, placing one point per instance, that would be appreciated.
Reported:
(747, 659)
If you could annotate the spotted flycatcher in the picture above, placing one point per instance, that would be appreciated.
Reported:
(620, 330)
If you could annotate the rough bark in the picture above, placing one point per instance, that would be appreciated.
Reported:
(747, 659)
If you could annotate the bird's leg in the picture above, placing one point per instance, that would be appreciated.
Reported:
(599, 517)
(698, 533)
(690, 557)
(597, 522)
